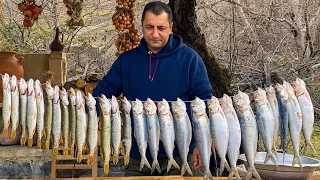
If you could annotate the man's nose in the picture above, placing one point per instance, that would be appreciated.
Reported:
(155, 32)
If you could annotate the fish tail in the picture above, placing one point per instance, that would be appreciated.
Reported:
(143, 162)
(5, 132)
(106, 167)
(90, 160)
(65, 151)
(155, 165)
(172, 162)
(296, 160)
(47, 145)
(207, 175)
(309, 144)
(23, 140)
(224, 164)
(126, 159)
(79, 156)
(274, 150)
(185, 167)
(55, 151)
(115, 159)
(30, 142)
(270, 157)
(253, 171)
(234, 173)
(13, 134)
(39, 144)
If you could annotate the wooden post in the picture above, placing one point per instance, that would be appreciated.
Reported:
(58, 65)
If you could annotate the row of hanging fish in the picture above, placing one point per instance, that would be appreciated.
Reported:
(55, 116)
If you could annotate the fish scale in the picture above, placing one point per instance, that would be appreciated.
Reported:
(92, 137)
(271, 95)
(40, 113)
(56, 121)
(127, 129)
(6, 104)
(64, 120)
(72, 118)
(48, 98)
(115, 129)
(81, 127)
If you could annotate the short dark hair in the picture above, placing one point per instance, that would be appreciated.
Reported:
(157, 7)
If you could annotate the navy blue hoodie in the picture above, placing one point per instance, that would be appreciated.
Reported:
(175, 71)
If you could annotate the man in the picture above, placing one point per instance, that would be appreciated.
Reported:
(160, 67)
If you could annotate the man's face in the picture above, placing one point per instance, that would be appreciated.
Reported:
(156, 30)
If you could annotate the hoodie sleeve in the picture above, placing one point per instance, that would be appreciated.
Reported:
(111, 83)
(199, 82)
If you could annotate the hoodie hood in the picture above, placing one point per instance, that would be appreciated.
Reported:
(174, 44)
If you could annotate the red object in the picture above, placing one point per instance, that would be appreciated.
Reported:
(27, 13)
(40, 9)
(27, 23)
(34, 9)
(22, 7)
(30, 1)
(34, 16)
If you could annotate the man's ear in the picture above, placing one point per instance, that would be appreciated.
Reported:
(171, 25)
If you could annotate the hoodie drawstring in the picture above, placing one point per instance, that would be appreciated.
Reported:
(155, 70)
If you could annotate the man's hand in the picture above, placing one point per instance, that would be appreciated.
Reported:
(196, 159)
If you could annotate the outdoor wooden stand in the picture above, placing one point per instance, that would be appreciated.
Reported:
(55, 166)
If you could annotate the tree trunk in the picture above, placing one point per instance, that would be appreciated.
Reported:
(185, 25)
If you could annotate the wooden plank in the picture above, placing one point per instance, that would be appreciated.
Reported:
(148, 178)
(69, 157)
(0, 104)
(73, 166)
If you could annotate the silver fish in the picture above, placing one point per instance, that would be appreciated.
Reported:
(307, 112)
(140, 131)
(23, 110)
(15, 106)
(153, 132)
(271, 95)
(81, 127)
(234, 134)
(219, 131)
(266, 123)
(249, 131)
(6, 104)
(183, 133)
(115, 129)
(167, 131)
(92, 127)
(64, 120)
(40, 112)
(127, 129)
(56, 121)
(201, 128)
(295, 121)
(31, 112)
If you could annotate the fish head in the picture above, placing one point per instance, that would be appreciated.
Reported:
(282, 91)
(213, 104)
(137, 107)
(114, 105)
(198, 106)
(72, 97)
(163, 107)
(178, 107)
(80, 100)
(48, 89)
(90, 101)
(126, 106)
(37, 88)
(64, 97)
(14, 84)
(270, 92)
(5, 81)
(30, 87)
(104, 104)
(150, 107)
(241, 100)
(300, 82)
(259, 96)
(22, 86)
(298, 87)
(56, 95)
(287, 86)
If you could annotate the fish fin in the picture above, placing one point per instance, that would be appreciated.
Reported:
(269, 156)
(234, 173)
(115, 158)
(72, 150)
(55, 151)
(172, 162)
(39, 144)
(43, 133)
(309, 144)
(274, 150)
(60, 140)
(23, 140)
(296, 160)
(224, 165)
(101, 154)
(10, 112)
(5, 132)
(106, 168)
(79, 156)
(30, 142)
(126, 159)
(65, 151)
(253, 171)
(207, 175)
(144, 161)
(13, 134)
(155, 165)
(185, 167)
(47, 145)
(90, 160)
(122, 149)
